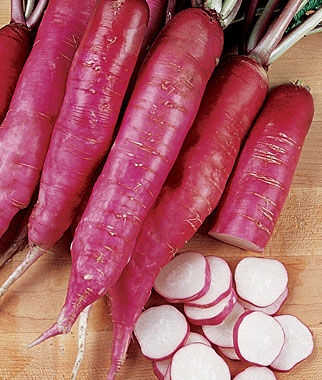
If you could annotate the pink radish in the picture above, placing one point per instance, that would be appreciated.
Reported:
(185, 278)
(256, 373)
(213, 315)
(229, 352)
(163, 104)
(258, 338)
(298, 343)
(260, 281)
(271, 309)
(198, 361)
(26, 129)
(222, 335)
(262, 177)
(220, 283)
(160, 331)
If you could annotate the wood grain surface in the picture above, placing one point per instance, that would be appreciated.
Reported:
(33, 303)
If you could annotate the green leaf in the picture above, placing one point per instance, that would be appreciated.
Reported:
(301, 15)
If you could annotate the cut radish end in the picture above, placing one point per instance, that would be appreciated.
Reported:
(260, 281)
(160, 368)
(220, 283)
(270, 310)
(213, 315)
(258, 338)
(230, 352)
(197, 338)
(160, 331)
(256, 373)
(184, 278)
(298, 343)
(198, 362)
(222, 335)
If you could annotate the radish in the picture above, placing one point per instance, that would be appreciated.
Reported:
(160, 331)
(252, 373)
(220, 283)
(185, 278)
(198, 361)
(164, 104)
(258, 338)
(213, 315)
(229, 352)
(222, 334)
(298, 343)
(194, 337)
(261, 180)
(26, 129)
(15, 46)
(260, 281)
(271, 309)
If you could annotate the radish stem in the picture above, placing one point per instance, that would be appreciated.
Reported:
(214, 5)
(17, 12)
(227, 8)
(226, 21)
(29, 8)
(34, 18)
(171, 8)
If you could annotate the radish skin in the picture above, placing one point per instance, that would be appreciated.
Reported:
(260, 182)
(164, 103)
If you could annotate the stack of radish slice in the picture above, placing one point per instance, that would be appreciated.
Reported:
(237, 318)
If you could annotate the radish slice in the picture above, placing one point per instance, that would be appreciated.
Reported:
(222, 335)
(270, 310)
(258, 338)
(230, 352)
(197, 361)
(197, 338)
(160, 331)
(260, 281)
(220, 283)
(254, 373)
(167, 375)
(184, 278)
(213, 315)
(298, 343)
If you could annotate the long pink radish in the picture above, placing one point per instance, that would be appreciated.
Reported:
(260, 281)
(83, 132)
(26, 129)
(160, 331)
(298, 343)
(258, 338)
(161, 110)
(261, 180)
(198, 361)
(252, 373)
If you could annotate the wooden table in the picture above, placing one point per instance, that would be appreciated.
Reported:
(33, 303)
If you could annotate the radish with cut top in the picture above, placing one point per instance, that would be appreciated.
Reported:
(260, 281)
(258, 338)
(220, 283)
(222, 335)
(197, 361)
(213, 315)
(271, 309)
(229, 352)
(184, 278)
(298, 343)
(254, 373)
(160, 331)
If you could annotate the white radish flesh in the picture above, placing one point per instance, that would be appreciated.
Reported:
(197, 338)
(258, 338)
(184, 278)
(256, 373)
(222, 335)
(160, 331)
(269, 310)
(230, 352)
(220, 283)
(298, 343)
(213, 315)
(197, 361)
(260, 281)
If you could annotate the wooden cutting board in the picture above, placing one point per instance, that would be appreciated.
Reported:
(33, 303)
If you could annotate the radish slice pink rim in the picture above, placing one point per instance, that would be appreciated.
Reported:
(160, 331)
(298, 343)
(194, 337)
(270, 310)
(184, 278)
(260, 281)
(229, 352)
(160, 368)
(221, 283)
(258, 338)
(256, 373)
(213, 315)
(198, 361)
